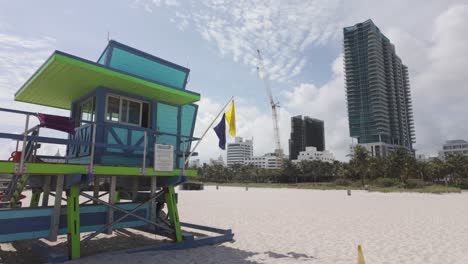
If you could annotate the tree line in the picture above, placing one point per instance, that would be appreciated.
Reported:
(398, 168)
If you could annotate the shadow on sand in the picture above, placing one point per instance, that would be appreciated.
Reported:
(105, 249)
(35, 251)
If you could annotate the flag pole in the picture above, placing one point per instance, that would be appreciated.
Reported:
(206, 131)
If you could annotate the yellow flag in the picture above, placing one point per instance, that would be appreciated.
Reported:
(360, 256)
(231, 119)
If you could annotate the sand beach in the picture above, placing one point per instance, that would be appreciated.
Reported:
(313, 226)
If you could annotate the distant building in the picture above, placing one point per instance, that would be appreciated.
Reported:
(311, 153)
(421, 157)
(57, 158)
(375, 149)
(267, 161)
(195, 163)
(378, 94)
(307, 132)
(238, 151)
(219, 161)
(457, 146)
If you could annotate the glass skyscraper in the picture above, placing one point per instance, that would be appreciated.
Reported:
(377, 91)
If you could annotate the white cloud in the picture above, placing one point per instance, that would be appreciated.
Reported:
(148, 5)
(431, 43)
(282, 30)
(20, 57)
(440, 87)
(326, 103)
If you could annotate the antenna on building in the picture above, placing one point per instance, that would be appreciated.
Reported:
(108, 36)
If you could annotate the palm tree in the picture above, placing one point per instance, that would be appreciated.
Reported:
(359, 164)
(457, 167)
(377, 166)
(289, 172)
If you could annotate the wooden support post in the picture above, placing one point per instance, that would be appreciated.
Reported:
(110, 211)
(55, 218)
(36, 195)
(173, 213)
(46, 191)
(153, 202)
(96, 188)
(73, 222)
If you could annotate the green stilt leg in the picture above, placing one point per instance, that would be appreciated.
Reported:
(36, 194)
(173, 213)
(73, 220)
(117, 197)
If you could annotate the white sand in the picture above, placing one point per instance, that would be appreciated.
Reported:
(311, 226)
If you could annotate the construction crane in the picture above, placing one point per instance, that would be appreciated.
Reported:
(274, 107)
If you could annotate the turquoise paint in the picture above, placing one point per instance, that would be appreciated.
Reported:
(21, 213)
(116, 160)
(166, 118)
(112, 140)
(35, 212)
(102, 59)
(122, 133)
(82, 160)
(85, 135)
(32, 212)
(144, 67)
(136, 135)
(187, 120)
(63, 231)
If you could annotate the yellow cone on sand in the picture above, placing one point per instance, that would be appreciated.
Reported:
(360, 255)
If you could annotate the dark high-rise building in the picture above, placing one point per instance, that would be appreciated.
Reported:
(377, 91)
(296, 141)
(314, 132)
(307, 132)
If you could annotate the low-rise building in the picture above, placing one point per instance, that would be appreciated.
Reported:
(238, 151)
(311, 153)
(457, 146)
(267, 161)
(421, 157)
(195, 163)
(219, 161)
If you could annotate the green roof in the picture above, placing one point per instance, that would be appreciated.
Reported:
(64, 78)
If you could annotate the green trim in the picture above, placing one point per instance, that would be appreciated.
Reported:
(36, 195)
(173, 213)
(117, 197)
(60, 168)
(64, 78)
(20, 185)
(73, 222)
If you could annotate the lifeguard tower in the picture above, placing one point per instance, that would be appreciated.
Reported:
(129, 132)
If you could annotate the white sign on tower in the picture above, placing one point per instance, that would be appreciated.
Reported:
(163, 157)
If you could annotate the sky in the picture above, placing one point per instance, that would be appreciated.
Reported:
(301, 42)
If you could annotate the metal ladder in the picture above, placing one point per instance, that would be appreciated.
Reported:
(18, 182)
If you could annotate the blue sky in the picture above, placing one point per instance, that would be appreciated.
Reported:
(301, 42)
